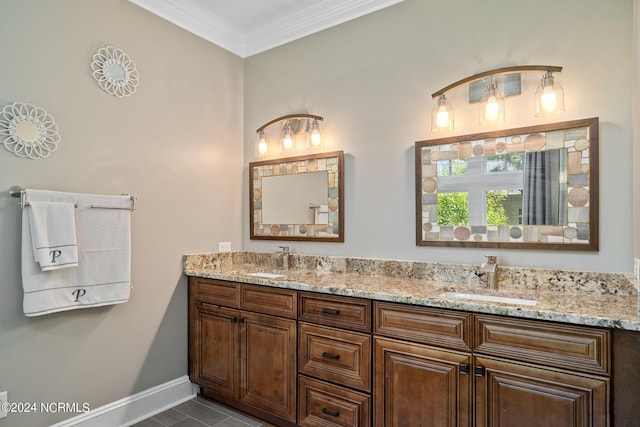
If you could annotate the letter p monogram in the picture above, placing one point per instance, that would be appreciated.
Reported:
(79, 293)
(54, 254)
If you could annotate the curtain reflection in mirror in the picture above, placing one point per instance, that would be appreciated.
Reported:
(545, 188)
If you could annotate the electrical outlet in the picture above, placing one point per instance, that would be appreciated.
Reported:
(4, 399)
(636, 268)
(224, 246)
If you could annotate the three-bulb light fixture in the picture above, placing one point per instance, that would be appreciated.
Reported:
(549, 97)
(292, 125)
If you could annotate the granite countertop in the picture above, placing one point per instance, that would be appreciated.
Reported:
(597, 299)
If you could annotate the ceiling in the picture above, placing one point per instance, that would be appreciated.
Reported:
(247, 27)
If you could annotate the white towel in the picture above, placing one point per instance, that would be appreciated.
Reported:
(322, 214)
(103, 275)
(53, 234)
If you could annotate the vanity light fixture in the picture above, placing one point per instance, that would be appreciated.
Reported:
(549, 97)
(442, 115)
(292, 125)
(492, 106)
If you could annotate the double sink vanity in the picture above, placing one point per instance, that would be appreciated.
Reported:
(358, 342)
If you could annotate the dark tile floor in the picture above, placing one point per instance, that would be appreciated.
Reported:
(200, 412)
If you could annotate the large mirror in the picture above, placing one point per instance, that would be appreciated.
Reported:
(298, 198)
(530, 188)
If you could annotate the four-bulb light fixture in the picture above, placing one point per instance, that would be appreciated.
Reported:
(292, 125)
(549, 97)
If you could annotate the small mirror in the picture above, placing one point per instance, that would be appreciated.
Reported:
(116, 72)
(298, 198)
(27, 131)
(529, 188)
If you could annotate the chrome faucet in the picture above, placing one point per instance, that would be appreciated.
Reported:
(490, 269)
(285, 257)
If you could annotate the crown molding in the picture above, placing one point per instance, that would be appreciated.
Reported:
(188, 15)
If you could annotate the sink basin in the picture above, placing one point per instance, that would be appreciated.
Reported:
(490, 298)
(265, 275)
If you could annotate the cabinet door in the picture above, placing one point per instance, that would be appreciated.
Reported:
(215, 349)
(509, 394)
(268, 364)
(420, 386)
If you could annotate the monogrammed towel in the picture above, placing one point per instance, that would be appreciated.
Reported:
(103, 274)
(53, 234)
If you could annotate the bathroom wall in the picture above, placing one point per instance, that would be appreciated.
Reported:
(176, 144)
(371, 79)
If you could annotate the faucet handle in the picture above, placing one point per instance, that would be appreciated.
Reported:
(492, 259)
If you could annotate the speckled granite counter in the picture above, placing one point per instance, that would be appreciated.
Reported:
(597, 299)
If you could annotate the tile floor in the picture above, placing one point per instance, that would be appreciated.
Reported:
(199, 412)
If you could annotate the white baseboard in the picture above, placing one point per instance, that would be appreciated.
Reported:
(137, 407)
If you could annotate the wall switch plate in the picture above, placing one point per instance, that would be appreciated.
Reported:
(4, 398)
(224, 246)
(636, 268)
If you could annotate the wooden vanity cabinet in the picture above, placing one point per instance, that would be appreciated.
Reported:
(245, 359)
(417, 381)
(334, 361)
(488, 371)
(534, 373)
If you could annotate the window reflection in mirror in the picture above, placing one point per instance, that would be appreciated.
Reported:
(508, 189)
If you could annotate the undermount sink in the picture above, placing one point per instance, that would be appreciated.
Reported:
(265, 275)
(489, 298)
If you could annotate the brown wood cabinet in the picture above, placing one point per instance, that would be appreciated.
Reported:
(242, 358)
(514, 372)
(309, 359)
(417, 386)
(334, 361)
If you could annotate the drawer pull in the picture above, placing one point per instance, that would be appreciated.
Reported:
(331, 356)
(330, 311)
(330, 412)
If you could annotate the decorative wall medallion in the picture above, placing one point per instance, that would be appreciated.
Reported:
(115, 72)
(28, 131)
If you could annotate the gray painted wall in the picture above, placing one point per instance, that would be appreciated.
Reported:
(371, 79)
(176, 144)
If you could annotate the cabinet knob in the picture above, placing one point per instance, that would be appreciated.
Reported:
(478, 371)
(464, 368)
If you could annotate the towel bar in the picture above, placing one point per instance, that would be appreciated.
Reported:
(17, 191)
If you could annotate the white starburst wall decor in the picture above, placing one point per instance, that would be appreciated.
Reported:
(28, 131)
(115, 72)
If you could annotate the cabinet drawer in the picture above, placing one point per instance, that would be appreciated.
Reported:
(322, 404)
(578, 348)
(353, 314)
(334, 355)
(424, 325)
(217, 292)
(265, 299)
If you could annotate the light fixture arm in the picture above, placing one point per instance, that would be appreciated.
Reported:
(514, 69)
(289, 117)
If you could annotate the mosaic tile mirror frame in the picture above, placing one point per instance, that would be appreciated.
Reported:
(324, 220)
(471, 191)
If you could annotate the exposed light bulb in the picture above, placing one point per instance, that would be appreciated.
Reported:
(492, 108)
(549, 96)
(316, 138)
(287, 139)
(262, 146)
(548, 99)
(442, 115)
